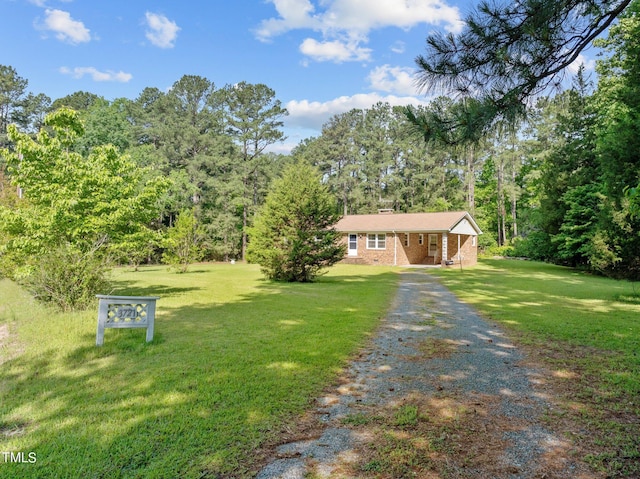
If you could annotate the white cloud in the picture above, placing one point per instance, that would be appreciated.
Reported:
(313, 114)
(359, 16)
(66, 28)
(162, 31)
(398, 47)
(589, 65)
(366, 15)
(399, 80)
(43, 3)
(336, 51)
(294, 14)
(97, 75)
(353, 20)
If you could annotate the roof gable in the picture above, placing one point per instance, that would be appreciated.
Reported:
(458, 222)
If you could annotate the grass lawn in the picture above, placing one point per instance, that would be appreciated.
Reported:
(586, 329)
(234, 360)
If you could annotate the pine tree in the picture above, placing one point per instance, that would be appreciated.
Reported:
(293, 237)
(509, 52)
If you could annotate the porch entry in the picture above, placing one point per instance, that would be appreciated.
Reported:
(353, 245)
(433, 245)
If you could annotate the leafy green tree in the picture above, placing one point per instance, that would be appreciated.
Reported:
(78, 101)
(138, 247)
(564, 143)
(106, 123)
(633, 195)
(617, 103)
(580, 224)
(100, 198)
(293, 238)
(184, 242)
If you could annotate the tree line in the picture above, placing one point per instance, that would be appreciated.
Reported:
(208, 142)
(558, 183)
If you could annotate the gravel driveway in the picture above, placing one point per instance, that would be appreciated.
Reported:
(464, 377)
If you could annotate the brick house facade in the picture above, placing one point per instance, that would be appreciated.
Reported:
(413, 238)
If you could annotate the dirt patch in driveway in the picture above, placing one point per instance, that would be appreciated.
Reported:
(438, 393)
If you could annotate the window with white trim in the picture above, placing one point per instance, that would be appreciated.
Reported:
(376, 241)
(420, 239)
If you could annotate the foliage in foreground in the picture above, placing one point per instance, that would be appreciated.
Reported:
(71, 203)
(293, 237)
(69, 279)
(234, 361)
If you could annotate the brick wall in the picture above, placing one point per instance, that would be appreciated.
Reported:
(468, 252)
(414, 253)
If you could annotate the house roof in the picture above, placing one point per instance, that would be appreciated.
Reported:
(451, 221)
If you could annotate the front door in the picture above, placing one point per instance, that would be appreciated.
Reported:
(353, 245)
(433, 245)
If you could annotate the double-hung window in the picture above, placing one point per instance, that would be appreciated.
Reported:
(376, 241)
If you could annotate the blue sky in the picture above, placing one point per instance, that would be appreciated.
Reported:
(322, 57)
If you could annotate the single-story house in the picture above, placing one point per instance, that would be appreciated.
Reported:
(400, 239)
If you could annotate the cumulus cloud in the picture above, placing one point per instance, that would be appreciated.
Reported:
(66, 28)
(313, 114)
(97, 75)
(366, 15)
(161, 32)
(336, 51)
(353, 19)
(294, 15)
(359, 16)
(399, 80)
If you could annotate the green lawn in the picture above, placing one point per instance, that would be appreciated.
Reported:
(234, 359)
(587, 330)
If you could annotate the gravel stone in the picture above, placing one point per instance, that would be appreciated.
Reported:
(484, 363)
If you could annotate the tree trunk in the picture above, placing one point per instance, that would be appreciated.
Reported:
(500, 204)
(245, 218)
(471, 181)
(514, 205)
(345, 201)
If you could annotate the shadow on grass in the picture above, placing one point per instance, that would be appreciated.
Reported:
(217, 381)
(586, 329)
(130, 288)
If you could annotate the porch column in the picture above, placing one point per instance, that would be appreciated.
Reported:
(395, 248)
(445, 246)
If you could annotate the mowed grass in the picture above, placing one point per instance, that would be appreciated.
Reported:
(234, 360)
(586, 329)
